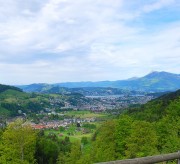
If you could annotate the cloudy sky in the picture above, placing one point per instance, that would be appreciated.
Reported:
(54, 41)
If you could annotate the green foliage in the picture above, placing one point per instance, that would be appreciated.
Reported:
(50, 149)
(4, 112)
(61, 158)
(46, 151)
(84, 140)
(61, 129)
(122, 131)
(104, 148)
(74, 154)
(18, 143)
(89, 126)
(168, 131)
(34, 106)
(12, 108)
(85, 159)
(142, 140)
(151, 129)
(156, 109)
(7, 87)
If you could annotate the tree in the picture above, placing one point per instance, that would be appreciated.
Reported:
(18, 143)
(168, 134)
(46, 151)
(103, 148)
(75, 153)
(61, 158)
(85, 159)
(122, 131)
(84, 140)
(61, 129)
(142, 141)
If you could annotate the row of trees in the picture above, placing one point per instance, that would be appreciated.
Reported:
(19, 143)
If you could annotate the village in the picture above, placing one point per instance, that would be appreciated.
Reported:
(57, 113)
(61, 123)
(101, 103)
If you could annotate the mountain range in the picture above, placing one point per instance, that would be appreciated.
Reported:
(153, 82)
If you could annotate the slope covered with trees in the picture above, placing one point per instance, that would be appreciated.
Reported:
(18, 144)
(7, 87)
(151, 129)
(14, 102)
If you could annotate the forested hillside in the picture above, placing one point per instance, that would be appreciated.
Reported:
(6, 87)
(151, 129)
(14, 102)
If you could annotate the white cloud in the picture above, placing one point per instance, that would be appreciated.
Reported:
(65, 40)
(157, 5)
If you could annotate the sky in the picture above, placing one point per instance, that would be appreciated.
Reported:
(53, 41)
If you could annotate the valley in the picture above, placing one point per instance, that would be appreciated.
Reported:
(89, 81)
(15, 102)
(85, 120)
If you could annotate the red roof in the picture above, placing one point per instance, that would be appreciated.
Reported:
(38, 126)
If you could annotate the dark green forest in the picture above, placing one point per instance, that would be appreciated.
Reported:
(153, 128)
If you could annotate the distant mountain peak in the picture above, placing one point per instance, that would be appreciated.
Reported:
(154, 81)
(133, 78)
(159, 74)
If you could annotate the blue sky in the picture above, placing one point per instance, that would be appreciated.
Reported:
(54, 41)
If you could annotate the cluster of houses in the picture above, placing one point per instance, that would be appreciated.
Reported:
(100, 103)
(114, 102)
(63, 123)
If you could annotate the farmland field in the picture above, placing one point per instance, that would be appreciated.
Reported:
(86, 114)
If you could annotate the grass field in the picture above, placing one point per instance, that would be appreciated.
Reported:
(87, 129)
(73, 136)
(85, 114)
(75, 133)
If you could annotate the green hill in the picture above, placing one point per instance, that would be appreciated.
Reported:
(7, 87)
(14, 102)
(151, 129)
(158, 108)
